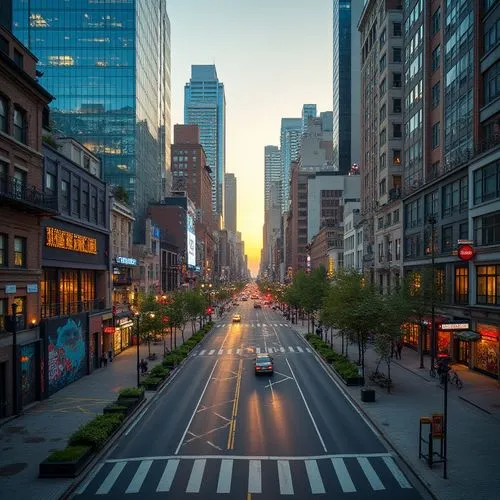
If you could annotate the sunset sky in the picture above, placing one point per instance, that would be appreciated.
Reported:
(272, 56)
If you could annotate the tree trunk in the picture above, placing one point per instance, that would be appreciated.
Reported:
(182, 333)
(359, 349)
(389, 375)
(175, 338)
(362, 361)
(170, 338)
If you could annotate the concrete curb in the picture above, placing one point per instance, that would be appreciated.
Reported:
(372, 422)
(143, 406)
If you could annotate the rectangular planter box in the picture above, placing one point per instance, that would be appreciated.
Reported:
(113, 409)
(64, 469)
(368, 395)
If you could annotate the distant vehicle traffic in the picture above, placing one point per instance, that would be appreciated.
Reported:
(257, 305)
(236, 318)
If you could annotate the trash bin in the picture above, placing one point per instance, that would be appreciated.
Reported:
(368, 395)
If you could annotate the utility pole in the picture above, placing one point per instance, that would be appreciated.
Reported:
(432, 222)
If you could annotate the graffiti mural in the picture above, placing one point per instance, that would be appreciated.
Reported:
(28, 373)
(67, 351)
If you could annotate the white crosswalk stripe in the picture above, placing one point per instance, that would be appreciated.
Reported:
(221, 351)
(111, 478)
(282, 349)
(308, 350)
(211, 352)
(252, 350)
(290, 348)
(270, 350)
(257, 350)
(300, 349)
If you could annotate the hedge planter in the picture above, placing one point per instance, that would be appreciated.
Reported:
(152, 383)
(118, 408)
(131, 393)
(66, 463)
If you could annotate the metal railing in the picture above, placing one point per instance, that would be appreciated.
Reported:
(69, 308)
(14, 189)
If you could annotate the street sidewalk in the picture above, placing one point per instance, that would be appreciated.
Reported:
(46, 425)
(473, 422)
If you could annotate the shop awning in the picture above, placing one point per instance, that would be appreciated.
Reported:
(467, 335)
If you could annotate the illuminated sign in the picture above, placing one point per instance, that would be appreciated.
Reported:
(191, 242)
(64, 240)
(128, 261)
(465, 252)
(109, 329)
(455, 326)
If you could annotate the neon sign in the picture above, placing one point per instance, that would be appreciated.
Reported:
(64, 240)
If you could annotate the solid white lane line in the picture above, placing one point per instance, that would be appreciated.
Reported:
(290, 348)
(396, 472)
(229, 351)
(254, 476)
(211, 352)
(168, 475)
(257, 350)
(300, 349)
(315, 481)
(111, 478)
(285, 477)
(282, 349)
(306, 405)
(139, 477)
(370, 474)
(225, 473)
(221, 351)
(196, 408)
(203, 352)
(343, 475)
(196, 476)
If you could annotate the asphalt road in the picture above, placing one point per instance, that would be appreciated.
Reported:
(219, 431)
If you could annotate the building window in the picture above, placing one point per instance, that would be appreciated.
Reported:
(383, 113)
(436, 95)
(492, 83)
(383, 137)
(492, 36)
(455, 197)
(436, 58)
(382, 63)
(75, 198)
(383, 87)
(488, 284)
(382, 161)
(65, 196)
(447, 239)
(487, 229)
(463, 231)
(20, 313)
(4, 114)
(396, 29)
(396, 80)
(3, 250)
(396, 130)
(461, 285)
(3, 313)
(436, 21)
(50, 182)
(18, 58)
(85, 200)
(396, 157)
(380, 223)
(382, 39)
(435, 168)
(487, 183)
(436, 132)
(19, 251)
(382, 187)
(93, 207)
(396, 105)
(396, 54)
(395, 216)
(19, 124)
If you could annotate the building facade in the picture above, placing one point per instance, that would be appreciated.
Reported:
(272, 172)
(345, 83)
(230, 202)
(23, 207)
(205, 106)
(108, 67)
(291, 130)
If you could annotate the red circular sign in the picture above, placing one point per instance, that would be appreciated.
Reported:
(465, 252)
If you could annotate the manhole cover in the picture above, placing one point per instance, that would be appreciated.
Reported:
(12, 469)
(34, 439)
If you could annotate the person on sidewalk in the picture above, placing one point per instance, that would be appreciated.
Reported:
(104, 360)
(399, 347)
(393, 349)
(110, 356)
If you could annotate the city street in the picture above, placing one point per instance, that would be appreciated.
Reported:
(218, 429)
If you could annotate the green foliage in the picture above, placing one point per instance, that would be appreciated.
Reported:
(68, 454)
(121, 194)
(131, 392)
(160, 371)
(151, 382)
(96, 432)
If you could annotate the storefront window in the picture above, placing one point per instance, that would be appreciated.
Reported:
(87, 288)
(443, 342)
(20, 312)
(486, 349)
(412, 331)
(48, 293)
(68, 292)
(488, 284)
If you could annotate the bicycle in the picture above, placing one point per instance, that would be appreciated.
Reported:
(433, 372)
(453, 378)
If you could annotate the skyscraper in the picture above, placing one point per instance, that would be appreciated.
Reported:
(109, 68)
(230, 201)
(346, 70)
(308, 111)
(205, 106)
(272, 173)
(291, 130)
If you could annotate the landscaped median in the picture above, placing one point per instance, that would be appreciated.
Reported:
(343, 367)
(92, 436)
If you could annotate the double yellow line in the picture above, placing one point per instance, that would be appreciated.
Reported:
(232, 425)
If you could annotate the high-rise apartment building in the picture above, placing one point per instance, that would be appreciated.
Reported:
(272, 173)
(381, 140)
(109, 68)
(308, 111)
(205, 106)
(230, 202)
(346, 82)
(291, 130)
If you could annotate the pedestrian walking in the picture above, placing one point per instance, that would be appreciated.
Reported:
(110, 356)
(104, 360)
(399, 348)
(393, 349)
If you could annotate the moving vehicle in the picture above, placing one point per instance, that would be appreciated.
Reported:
(236, 318)
(257, 305)
(264, 364)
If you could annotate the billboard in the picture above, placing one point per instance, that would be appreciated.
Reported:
(191, 242)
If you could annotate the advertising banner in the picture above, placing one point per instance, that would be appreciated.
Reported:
(191, 242)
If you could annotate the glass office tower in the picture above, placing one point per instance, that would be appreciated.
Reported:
(107, 64)
(205, 106)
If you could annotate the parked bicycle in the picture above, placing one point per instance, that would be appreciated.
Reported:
(454, 379)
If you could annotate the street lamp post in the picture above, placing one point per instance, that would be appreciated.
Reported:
(137, 317)
(15, 399)
(432, 222)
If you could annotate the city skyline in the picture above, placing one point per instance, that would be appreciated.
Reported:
(259, 92)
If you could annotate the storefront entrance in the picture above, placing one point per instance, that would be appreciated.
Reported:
(462, 351)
